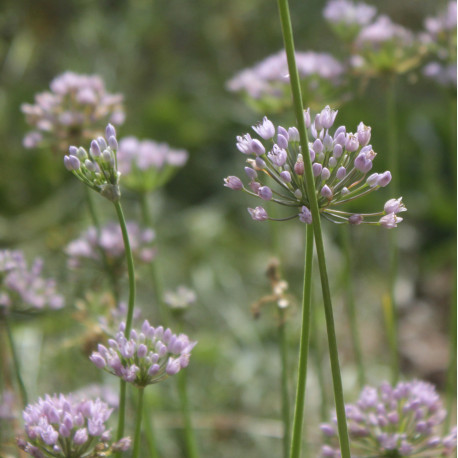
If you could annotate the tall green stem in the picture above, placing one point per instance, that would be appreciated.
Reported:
(304, 347)
(130, 311)
(155, 274)
(393, 164)
(350, 303)
(17, 367)
(149, 428)
(283, 346)
(191, 446)
(138, 424)
(311, 194)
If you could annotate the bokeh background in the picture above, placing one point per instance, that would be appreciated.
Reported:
(171, 59)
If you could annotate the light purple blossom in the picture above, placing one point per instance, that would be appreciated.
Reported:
(108, 246)
(340, 162)
(348, 13)
(22, 287)
(146, 164)
(149, 356)
(98, 167)
(394, 421)
(78, 423)
(76, 109)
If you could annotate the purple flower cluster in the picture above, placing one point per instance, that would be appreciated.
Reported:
(146, 164)
(23, 287)
(62, 426)
(348, 14)
(77, 108)
(98, 169)
(340, 161)
(108, 245)
(394, 421)
(269, 78)
(440, 37)
(147, 357)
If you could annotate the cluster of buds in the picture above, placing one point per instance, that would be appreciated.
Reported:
(107, 246)
(77, 108)
(97, 168)
(147, 357)
(340, 163)
(64, 427)
(266, 84)
(394, 421)
(147, 165)
(22, 287)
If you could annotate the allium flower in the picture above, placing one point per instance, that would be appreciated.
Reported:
(394, 421)
(108, 246)
(98, 169)
(180, 299)
(347, 18)
(340, 164)
(146, 164)
(22, 287)
(77, 108)
(147, 357)
(63, 426)
(268, 82)
(384, 46)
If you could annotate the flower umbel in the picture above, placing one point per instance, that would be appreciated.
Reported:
(394, 421)
(340, 163)
(77, 108)
(147, 357)
(64, 427)
(97, 168)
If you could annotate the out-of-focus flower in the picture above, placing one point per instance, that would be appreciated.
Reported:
(25, 288)
(340, 163)
(147, 165)
(440, 37)
(148, 356)
(97, 168)
(266, 84)
(105, 392)
(64, 427)
(106, 249)
(7, 405)
(394, 421)
(180, 299)
(347, 18)
(77, 108)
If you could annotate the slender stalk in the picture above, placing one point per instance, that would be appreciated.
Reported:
(130, 268)
(393, 164)
(298, 422)
(17, 366)
(130, 311)
(351, 309)
(149, 428)
(155, 274)
(191, 446)
(311, 194)
(138, 424)
(283, 346)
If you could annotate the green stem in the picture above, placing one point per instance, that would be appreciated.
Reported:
(149, 428)
(350, 303)
(138, 424)
(17, 367)
(393, 164)
(283, 345)
(298, 422)
(130, 268)
(130, 311)
(155, 274)
(191, 446)
(311, 194)
(450, 389)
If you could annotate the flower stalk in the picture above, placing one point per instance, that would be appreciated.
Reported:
(138, 423)
(309, 183)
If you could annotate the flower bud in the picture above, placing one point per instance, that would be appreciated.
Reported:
(95, 149)
(341, 173)
(363, 133)
(299, 165)
(326, 192)
(251, 173)
(110, 131)
(265, 129)
(282, 141)
(351, 143)
(234, 183)
(325, 173)
(72, 163)
(265, 193)
(316, 168)
(258, 214)
(384, 179)
(285, 176)
(257, 147)
(305, 215)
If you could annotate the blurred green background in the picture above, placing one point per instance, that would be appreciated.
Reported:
(171, 60)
